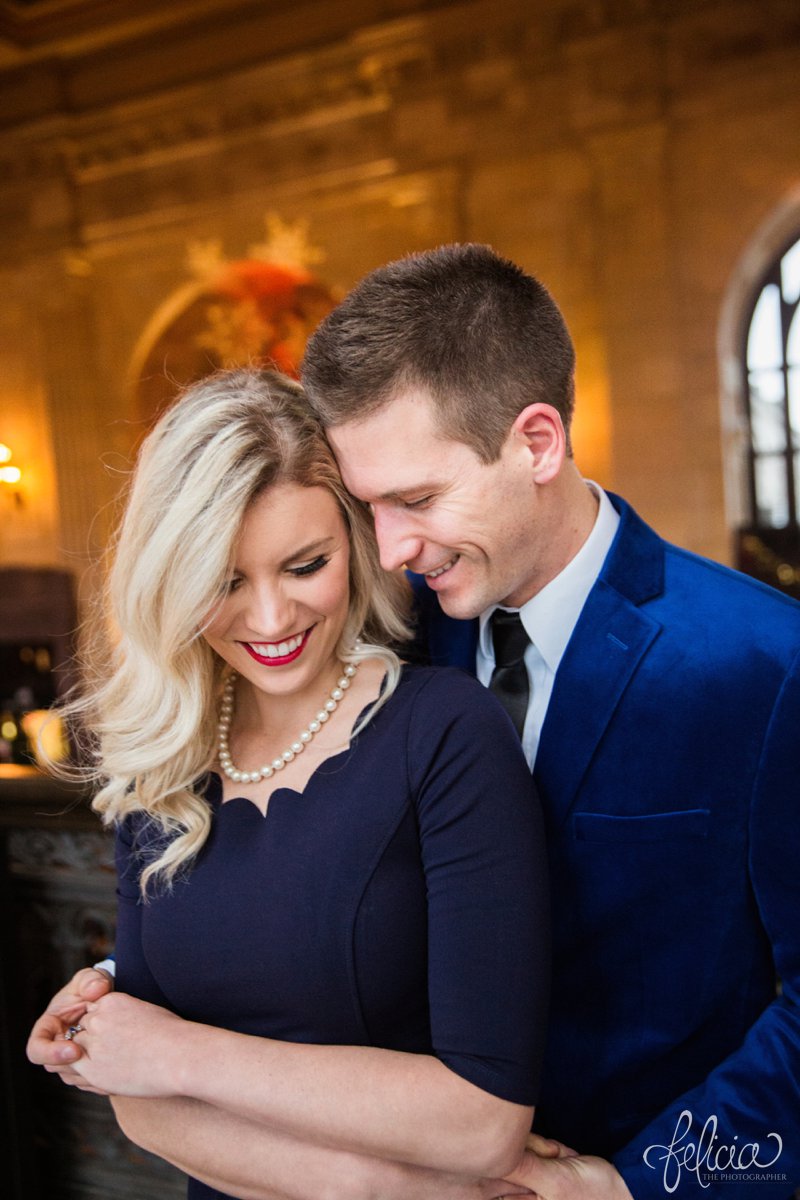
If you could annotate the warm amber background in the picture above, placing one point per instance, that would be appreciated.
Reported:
(641, 156)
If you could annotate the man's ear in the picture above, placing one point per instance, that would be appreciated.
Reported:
(540, 430)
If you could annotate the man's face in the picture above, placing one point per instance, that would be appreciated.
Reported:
(439, 510)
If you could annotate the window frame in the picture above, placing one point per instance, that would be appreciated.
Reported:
(788, 313)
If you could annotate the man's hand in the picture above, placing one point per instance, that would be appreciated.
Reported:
(554, 1172)
(46, 1045)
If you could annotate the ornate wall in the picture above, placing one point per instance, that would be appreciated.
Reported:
(623, 150)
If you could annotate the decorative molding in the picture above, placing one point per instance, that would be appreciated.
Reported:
(102, 237)
(275, 100)
(23, 162)
(118, 151)
(367, 74)
(42, 850)
(59, 25)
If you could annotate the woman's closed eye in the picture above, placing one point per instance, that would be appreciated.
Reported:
(310, 568)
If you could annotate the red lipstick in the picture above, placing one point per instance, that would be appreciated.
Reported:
(279, 660)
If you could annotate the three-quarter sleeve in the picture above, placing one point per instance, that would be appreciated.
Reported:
(483, 854)
(133, 974)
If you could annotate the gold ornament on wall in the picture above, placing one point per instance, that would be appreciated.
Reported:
(258, 310)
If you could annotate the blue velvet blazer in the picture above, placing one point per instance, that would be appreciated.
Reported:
(669, 771)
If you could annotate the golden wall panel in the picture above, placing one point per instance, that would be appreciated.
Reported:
(624, 150)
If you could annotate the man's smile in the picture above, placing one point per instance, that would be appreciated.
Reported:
(437, 571)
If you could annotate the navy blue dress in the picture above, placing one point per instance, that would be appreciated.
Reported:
(400, 901)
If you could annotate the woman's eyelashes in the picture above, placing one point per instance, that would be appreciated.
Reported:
(310, 568)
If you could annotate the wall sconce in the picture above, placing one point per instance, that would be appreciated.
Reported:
(8, 472)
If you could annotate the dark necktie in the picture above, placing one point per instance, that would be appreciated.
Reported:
(509, 680)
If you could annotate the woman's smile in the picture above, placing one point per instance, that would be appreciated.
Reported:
(276, 654)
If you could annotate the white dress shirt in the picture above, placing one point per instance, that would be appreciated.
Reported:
(549, 618)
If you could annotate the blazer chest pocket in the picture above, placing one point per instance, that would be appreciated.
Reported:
(689, 824)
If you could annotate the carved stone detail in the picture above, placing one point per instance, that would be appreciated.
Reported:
(40, 849)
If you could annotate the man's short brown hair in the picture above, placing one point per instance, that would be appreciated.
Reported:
(472, 330)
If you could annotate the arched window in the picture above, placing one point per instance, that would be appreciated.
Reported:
(772, 394)
(768, 532)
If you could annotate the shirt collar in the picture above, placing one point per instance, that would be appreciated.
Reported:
(550, 616)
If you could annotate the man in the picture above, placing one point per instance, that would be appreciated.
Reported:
(657, 696)
(661, 724)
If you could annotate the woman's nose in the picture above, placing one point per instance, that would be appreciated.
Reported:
(271, 613)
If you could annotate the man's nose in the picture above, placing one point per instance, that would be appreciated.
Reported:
(398, 542)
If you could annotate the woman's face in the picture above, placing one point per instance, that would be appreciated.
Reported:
(287, 601)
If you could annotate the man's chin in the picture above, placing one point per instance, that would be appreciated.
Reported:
(460, 608)
(457, 593)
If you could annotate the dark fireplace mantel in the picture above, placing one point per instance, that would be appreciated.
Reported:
(58, 913)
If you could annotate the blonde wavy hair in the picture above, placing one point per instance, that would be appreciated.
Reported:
(151, 683)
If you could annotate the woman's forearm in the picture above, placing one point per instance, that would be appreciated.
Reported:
(397, 1106)
(403, 1107)
(226, 1152)
(253, 1162)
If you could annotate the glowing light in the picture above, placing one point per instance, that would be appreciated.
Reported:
(5, 452)
(10, 474)
(46, 734)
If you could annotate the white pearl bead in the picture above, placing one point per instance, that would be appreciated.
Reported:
(350, 670)
(313, 726)
(322, 716)
(236, 776)
(266, 772)
(343, 683)
(278, 764)
(330, 706)
(288, 756)
(297, 747)
(306, 735)
(337, 694)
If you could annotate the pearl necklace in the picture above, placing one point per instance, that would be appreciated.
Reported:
(291, 752)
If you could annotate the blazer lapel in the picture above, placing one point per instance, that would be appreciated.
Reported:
(611, 637)
(453, 643)
(441, 640)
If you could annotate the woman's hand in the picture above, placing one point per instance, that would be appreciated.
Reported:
(47, 1045)
(130, 1048)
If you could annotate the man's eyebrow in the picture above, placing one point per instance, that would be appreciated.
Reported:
(419, 489)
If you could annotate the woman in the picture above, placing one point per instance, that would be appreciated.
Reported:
(331, 938)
